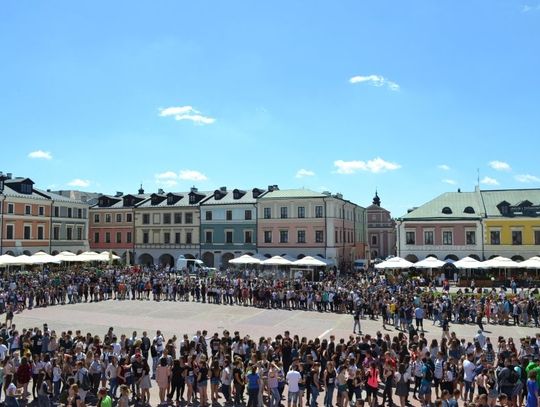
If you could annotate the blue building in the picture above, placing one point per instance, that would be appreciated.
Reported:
(229, 225)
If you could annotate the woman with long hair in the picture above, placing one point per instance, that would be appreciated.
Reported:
(163, 373)
(215, 373)
(202, 381)
(372, 384)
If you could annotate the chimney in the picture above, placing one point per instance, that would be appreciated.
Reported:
(223, 189)
(194, 190)
(327, 193)
(9, 175)
(160, 191)
(459, 190)
(119, 194)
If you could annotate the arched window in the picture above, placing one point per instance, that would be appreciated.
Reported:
(374, 240)
(446, 210)
(468, 209)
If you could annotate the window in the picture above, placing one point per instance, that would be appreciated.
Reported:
(56, 233)
(267, 213)
(410, 238)
(96, 237)
(118, 218)
(79, 233)
(177, 238)
(208, 236)
(26, 188)
(69, 212)
(27, 210)
(283, 236)
(267, 236)
(145, 237)
(495, 237)
(41, 210)
(301, 236)
(537, 237)
(470, 237)
(228, 215)
(177, 218)
(96, 217)
(446, 210)
(128, 237)
(129, 217)
(107, 237)
(27, 232)
(228, 237)
(516, 237)
(10, 208)
(301, 211)
(69, 233)
(284, 212)
(319, 236)
(56, 212)
(146, 219)
(79, 213)
(248, 236)
(167, 218)
(428, 237)
(247, 215)
(156, 218)
(336, 236)
(447, 237)
(118, 237)
(40, 233)
(9, 232)
(189, 218)
(108, 218)
(208, 215)
(468, 209)
(167, 237)
(189, 237)
(374, 240)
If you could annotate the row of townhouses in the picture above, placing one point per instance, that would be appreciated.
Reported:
(215, 226)
(481, 224)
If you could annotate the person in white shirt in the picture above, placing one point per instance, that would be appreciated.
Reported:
(293, 378)
(468, 377)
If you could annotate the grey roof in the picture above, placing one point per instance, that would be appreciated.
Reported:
(492, 198)
(60, 198)
(228, 198)
(183, 202)
(456, 201)
(292, 193)
(8, 191)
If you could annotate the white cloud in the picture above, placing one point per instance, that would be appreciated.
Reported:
(489, 181)
(77, 182)
(443, 167)
(527, 178)
(500, 165)
(449, 181)
(167, 179)
(526, 8)
(46, 155)
(375, 80)
(376, 165)
(301, 173)
(186, 113)
(192, 175)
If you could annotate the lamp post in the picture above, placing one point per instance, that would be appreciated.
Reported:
(2, 183)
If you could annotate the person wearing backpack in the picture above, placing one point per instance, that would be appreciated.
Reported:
(507, 378)
(424, 392)
(82, 379)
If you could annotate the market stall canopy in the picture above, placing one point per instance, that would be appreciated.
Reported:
(6, 260)
(43, 258)
(245, 259)
(66, 256)
(532, 263)
(276, 261)
(309, 261)
(468, 263)
(89, 256)
(108, 256)
(429, 263)
(500, 263)
(329, 262)
(394, 263)
(18, 260)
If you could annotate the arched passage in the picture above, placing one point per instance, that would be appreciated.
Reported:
(474, 256)
(146, 259)
(300, 256)
(431, 255)
(517, 257)
(27, 252)
(451, 257)
(54, 253)
(208, 259)
(412, 258)
(225, 259)
(189, 256)
(166, 259)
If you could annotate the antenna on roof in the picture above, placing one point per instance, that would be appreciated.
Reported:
(478, 177)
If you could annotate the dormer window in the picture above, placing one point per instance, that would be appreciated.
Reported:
(192, 199)
(170, 200)
(504, 208)
(468, 209)
(446, 210)
(26, 188)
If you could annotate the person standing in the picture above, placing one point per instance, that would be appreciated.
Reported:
(356, 319)
(532, 390)
(253, 382)
(419, 316)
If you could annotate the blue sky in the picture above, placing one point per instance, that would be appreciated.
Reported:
(410, 98)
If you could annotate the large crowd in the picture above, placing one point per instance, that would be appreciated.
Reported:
(72, 368)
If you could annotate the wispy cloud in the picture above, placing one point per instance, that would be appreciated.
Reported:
(301, 173)
(46, 155)
(526, 8)
(376, 165)
(527, 178)
(500, 165)
(489, 181)
(192, 175)
(449, 181)
(443, 167)
(375, 80)
(167, 179)
(186, 113)
(77, 182)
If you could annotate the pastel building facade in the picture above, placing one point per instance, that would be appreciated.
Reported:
(228, 225)
(381, 230)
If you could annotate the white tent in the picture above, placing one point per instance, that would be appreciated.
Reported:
(43, 258)
(290, 258)
(66, 256)
(276, 261)
(245, 259)
(468, 263)
(329, 262)
(394, 263)
(6, 260)
(429, 263)
(108, 256)
(309, 261)
(500, 263)
(21, 260)
(532, 263)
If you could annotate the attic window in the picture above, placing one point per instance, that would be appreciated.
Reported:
(468, 209)
(446, 210)
(170, 200)
(192, 199)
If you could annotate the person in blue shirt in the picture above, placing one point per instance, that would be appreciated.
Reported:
(532, 390)
(253, 382)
